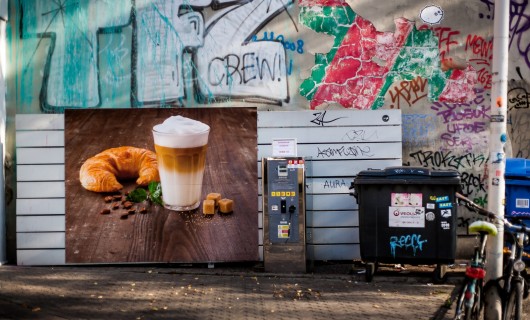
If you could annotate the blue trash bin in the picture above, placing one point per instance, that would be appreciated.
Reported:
(517, 178)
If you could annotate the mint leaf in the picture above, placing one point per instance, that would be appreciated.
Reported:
(154, 187)
(137, 195)
(155, 191)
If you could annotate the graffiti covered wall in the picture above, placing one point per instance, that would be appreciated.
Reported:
(431, 59)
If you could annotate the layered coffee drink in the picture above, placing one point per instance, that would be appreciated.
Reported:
(180, 145)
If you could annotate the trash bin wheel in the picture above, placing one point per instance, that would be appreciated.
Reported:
(371, 268)
(440, 274)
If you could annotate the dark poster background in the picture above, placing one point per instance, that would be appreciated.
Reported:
(161, 235)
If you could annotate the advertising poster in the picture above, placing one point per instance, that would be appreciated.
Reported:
(104, 225)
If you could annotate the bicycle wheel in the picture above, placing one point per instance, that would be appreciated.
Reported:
(478, 304)
(514, 306)
(460, 312)
(467, 312)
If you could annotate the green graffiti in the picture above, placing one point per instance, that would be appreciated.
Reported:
(419, 56)
(334, 21)
(373, 60)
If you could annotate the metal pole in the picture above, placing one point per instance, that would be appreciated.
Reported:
(497, 140)
(3, 117)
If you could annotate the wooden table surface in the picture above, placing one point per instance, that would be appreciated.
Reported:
(161, 235)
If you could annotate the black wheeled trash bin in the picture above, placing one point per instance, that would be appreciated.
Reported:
(407, 215)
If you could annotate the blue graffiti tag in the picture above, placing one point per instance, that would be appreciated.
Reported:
(288, 45)
(406, 241)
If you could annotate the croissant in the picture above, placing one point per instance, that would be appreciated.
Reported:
(101, 172)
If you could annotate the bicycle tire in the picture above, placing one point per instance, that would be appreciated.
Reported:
(474, 312)
(459, 312)
(514, 305)
(478, 312)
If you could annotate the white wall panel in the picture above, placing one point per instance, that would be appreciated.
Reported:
(40, 203)
(54, 172)
(40, 223)
(39, 122)
(40, 138)
(43, 257)
(336, 145)
(48, 189)
(40, 155)
(41, 240)
(41, 206)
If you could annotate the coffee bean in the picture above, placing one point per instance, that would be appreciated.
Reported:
(127, 204)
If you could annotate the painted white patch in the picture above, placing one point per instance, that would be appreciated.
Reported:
(432, 14)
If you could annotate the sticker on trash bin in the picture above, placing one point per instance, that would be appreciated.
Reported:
(445, 205)
(446, 225)
(440, 199)
(406, 199)
(522, 203)
(430, 216)
(406, 217)
(446, 213)
(431, 206)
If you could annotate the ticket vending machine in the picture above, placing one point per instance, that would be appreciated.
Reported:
(284, 215)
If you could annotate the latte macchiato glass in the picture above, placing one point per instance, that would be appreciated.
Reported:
(180, 145)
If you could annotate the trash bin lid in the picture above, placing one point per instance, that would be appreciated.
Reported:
(517, 168)
(400, 172)
(408, 175)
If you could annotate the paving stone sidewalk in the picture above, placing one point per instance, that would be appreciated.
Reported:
(95, 292)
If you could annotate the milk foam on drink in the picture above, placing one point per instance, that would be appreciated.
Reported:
(180, 145)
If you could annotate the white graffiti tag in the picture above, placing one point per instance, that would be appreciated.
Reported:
(231, 66)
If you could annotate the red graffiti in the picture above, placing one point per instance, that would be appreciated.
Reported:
(482, 51)
(480, 47)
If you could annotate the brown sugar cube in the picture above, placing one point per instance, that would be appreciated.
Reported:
(226, 205)
(214, 196)
(208, 206)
